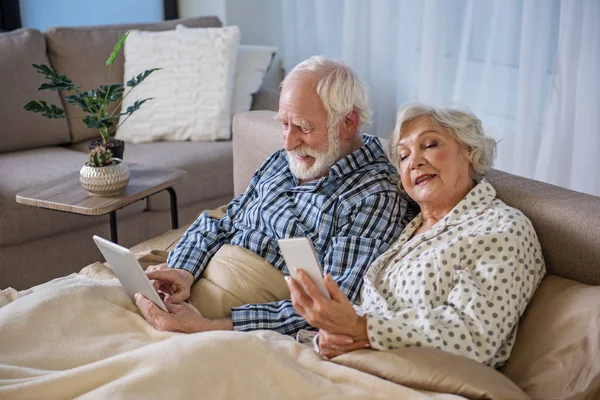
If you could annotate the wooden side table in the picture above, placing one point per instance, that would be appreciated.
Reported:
(66, 194)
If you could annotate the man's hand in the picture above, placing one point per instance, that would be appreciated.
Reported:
(174, 283)
(334, 316)
(182, 317)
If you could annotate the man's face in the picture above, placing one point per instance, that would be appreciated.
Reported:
(311, 145)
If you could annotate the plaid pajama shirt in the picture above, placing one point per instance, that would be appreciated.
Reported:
(352, 216)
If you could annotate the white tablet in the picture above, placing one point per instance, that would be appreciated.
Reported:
(129, 271)
(300, 253)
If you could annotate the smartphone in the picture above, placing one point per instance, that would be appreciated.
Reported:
(300, 253)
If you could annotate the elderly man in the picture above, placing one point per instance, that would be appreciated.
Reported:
(330, 183)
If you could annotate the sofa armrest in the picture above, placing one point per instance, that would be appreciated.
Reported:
(256, 135)
(265, 99)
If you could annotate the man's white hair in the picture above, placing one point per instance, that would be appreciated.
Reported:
(463, 125)
(339, 88)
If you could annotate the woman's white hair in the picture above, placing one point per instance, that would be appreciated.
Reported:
(463, 125)
(339, 88)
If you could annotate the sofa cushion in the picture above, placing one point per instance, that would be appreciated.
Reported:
(209, 166)
(259, 131)
(19, 82)
(557, 351)
(567, 223)
(81, 53)
(21, 170)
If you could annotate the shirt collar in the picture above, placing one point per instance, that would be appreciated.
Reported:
(473, 204)
(368, 153)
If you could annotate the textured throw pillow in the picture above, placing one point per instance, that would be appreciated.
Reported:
(192, 92)
(252, 64)
(557, 351)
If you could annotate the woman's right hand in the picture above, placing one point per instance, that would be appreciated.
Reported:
(175, 283)
(332, 345)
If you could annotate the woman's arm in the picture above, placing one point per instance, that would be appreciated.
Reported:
(479, 305)
(480, 311)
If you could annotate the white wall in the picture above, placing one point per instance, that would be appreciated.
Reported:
(195, 8)
(258, 20)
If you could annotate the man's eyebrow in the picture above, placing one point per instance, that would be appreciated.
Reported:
(302, 123)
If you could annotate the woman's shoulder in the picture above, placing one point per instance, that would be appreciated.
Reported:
(506, 212)
(500, 218)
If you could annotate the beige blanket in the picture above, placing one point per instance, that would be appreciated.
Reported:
(81, 336)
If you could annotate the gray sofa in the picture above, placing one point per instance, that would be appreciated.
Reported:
(37, 244)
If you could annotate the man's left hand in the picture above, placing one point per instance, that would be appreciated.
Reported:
(181, 317)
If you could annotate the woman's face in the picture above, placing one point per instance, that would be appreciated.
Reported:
(434, 167)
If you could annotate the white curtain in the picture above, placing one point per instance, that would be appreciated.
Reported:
(530, 69)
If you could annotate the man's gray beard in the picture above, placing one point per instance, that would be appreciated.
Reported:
(322, 163)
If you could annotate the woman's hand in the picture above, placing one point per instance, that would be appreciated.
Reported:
(332, 345)
(334, 316)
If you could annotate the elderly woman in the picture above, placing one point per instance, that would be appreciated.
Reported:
(461, 273)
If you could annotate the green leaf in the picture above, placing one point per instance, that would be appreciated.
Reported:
(43, 69)
(78, 100)
(93, 102)
(117, 48)
(136, 106)
(57, 81)
(111, 92)
(93, 122)
(136, 80)
(47, 110)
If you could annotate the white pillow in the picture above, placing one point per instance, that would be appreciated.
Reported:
(252, 64)
(192, 93)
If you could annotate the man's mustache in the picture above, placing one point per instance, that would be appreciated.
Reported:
(305, 151)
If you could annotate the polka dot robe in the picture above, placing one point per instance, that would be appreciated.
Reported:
(461, 286)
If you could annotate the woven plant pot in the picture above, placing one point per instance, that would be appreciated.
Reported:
(109, 180)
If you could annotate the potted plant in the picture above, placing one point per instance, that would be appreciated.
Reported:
(96, 104)
(103, 174)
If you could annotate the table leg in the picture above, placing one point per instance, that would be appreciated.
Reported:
(174, 215)
(113, 227)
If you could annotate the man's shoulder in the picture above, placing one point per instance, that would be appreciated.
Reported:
(274, 163)
(372, 157)
(372, 183)
(278, 156)
(372, 172)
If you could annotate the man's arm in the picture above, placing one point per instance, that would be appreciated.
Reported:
(207, 234)
(201, 241)
(368, 228)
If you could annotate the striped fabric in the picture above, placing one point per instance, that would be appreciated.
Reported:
(352, 216)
